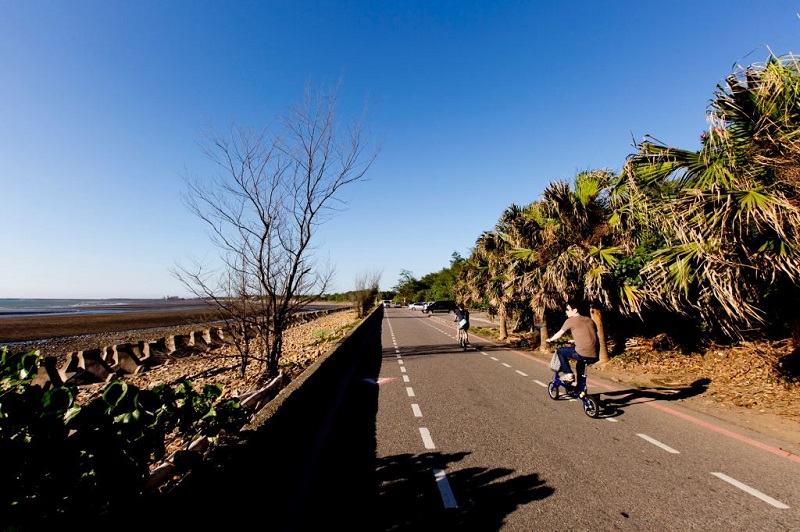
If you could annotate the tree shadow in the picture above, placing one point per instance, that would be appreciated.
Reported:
(614, 403)
(408, 498)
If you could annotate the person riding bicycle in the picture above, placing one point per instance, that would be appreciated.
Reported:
(462, 320)
(586, 346)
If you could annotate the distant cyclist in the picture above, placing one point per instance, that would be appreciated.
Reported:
(586, 344)
(462, 321)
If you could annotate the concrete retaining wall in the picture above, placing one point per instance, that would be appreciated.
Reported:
(306, 460)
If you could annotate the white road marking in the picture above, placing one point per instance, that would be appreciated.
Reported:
(658, 443)
(410, 391)
(406, 379)
(493, 358)
(403, 369)
(521, 373)
(415, 408)
(744, 487)
(426, 438)
(448, 498)
(506, 365)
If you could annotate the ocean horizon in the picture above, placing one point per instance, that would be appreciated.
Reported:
(41, 306)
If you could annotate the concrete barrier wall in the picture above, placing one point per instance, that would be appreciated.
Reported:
(103, 363)
(307, 456)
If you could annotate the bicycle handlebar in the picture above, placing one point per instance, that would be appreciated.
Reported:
(560, 341)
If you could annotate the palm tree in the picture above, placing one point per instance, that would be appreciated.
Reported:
(489, 280)
(565, 253)
(728, 213)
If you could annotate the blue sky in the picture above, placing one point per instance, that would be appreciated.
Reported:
(476, 105)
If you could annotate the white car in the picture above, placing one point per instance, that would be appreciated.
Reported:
(417, 305)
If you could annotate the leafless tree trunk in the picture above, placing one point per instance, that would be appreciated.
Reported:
(263, 206)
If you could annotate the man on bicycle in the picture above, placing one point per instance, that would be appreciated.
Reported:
(462, 321)
(585, 348)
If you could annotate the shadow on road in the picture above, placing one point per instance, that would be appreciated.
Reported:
(408, 498)
(614, 403)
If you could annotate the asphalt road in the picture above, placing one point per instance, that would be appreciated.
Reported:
(472, 441)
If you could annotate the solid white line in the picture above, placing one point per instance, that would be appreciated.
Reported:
(410, 391)
(521, 373)
(406, 379)
(744, 487)
(448, 498)
(415, 408)
(658, 443)
(426, 438)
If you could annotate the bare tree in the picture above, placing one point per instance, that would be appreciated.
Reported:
(366, 289)
(263, 208)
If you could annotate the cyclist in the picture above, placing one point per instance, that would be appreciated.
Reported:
(462, 321)
(585, 348)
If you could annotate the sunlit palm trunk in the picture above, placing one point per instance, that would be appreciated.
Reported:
(503, 322)
(544, 334)
(597, 318)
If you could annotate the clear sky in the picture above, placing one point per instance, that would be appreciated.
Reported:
(476, 104)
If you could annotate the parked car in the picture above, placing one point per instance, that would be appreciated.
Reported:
(397, 304)
(417, 305)
(440, 306)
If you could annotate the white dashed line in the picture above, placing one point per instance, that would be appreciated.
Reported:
(448, 498)
(410, 391)
(406, 379)
(658, 443)
(521, 373)
(426, 438)
(754, 492)
(415, 408)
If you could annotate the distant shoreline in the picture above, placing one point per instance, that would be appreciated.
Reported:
(58, 333)
(11, 307)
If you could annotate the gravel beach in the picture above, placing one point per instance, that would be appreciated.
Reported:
(64, 333)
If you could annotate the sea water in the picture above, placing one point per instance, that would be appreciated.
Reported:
(38, 307)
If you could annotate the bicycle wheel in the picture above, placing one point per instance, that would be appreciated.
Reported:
(590, 407)
(553, 390)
